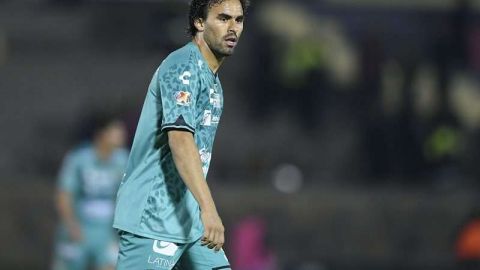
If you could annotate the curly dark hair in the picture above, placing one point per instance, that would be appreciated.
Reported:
(199, 9)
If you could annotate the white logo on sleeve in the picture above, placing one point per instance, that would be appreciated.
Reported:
(164, 248)
(184, 77)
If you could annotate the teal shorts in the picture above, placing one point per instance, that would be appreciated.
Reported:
(98, 248)
(140, 253)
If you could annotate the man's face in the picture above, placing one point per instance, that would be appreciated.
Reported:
(114, 135)
(223, 27)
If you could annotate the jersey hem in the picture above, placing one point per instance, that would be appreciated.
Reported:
(175, 127)
(162, 237)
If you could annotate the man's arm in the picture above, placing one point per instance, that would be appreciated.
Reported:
(67, 216)
(187, 160)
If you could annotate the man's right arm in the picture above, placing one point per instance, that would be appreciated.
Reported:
(67, 185)
(189, 166)
(67, 216)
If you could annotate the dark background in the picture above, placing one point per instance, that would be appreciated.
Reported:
(351, 127)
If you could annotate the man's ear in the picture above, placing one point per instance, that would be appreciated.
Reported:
(199, 24)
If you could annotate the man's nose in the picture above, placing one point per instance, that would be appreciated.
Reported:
(233, 28)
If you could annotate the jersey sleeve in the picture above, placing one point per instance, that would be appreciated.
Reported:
(68, 176)
(179, 88)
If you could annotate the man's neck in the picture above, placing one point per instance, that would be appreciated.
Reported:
(213, 61)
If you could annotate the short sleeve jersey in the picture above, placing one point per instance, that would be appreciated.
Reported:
(92, 183)
(153, 200)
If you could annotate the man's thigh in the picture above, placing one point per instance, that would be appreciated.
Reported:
(198, 257)
(142, 253)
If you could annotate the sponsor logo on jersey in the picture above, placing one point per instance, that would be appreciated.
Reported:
(215, 99)
(161, 263)
(185, 77)
(98, 182)
(210, 119)
(183, 98)
(207, 118)
(164, 248)
(205, 157)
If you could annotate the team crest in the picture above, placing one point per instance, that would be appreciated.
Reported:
(183, 98)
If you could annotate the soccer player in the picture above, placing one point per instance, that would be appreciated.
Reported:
(88, 182)
(165, 213)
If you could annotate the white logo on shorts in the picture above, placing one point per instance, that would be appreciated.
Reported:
(164, 248)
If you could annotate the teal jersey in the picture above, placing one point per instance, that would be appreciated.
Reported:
(153, 200)
(92, 183)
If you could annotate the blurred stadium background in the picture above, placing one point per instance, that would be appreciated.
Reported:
(351, 127)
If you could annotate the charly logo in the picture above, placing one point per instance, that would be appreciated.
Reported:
(164, 248)
(185, 77)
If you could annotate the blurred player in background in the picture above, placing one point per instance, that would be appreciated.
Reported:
(87, 184)
(165, 212)
(249, 245)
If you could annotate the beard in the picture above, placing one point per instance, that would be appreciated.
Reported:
(219, 48)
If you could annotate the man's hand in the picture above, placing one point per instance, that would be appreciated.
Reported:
(213, 236)
(67, 215)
